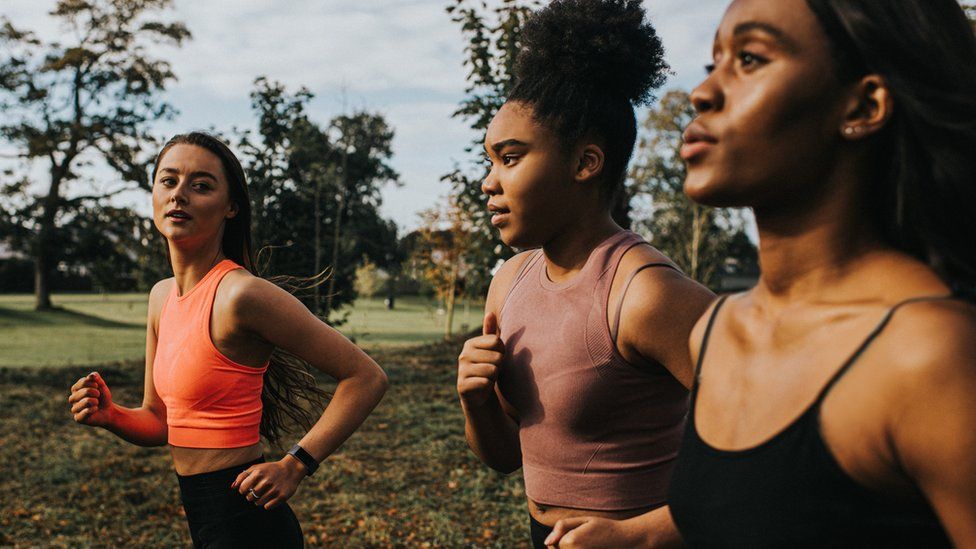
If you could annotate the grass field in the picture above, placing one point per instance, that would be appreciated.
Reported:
(93, 329)
(406, 478)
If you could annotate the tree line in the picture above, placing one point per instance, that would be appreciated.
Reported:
(92, 95)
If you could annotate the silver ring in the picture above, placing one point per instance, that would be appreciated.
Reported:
(251, 491)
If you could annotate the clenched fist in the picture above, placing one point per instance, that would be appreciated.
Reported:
(479, 363)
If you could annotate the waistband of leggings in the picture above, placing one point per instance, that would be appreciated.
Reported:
(214, 477)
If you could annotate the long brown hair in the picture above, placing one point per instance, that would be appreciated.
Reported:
(290, 393)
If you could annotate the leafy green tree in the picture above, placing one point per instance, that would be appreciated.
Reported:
(492, 37)
(316, 192)
(701, 240)
(92, 94)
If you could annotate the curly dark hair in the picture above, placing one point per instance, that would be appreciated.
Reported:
(583, 67)
(924, 186)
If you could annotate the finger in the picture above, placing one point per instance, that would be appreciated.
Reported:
(473, 385)
(81, 416)
(84, 404)
(83, 393)
(265, 494)
(488, 342)
(249, 481)
(484, 356)
(487, 371)
(83, 382)
(101, 382)
(562, 528)
(490, 325)
(240, 478)
(274, 503)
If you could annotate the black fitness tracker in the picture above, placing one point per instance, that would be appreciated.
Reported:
(306, 458)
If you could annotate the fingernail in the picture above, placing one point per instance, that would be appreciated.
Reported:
(548, 540)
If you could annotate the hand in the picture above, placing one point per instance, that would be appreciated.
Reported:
(270, 484)
(593, 532)
(478, 364)
(91, 401)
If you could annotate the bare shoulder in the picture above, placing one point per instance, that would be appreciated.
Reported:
(657, 293)
(932, 342)
(697, 335)
(157, 295)
(502, 282)
(244, 293)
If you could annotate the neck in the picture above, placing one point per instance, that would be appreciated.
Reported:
(807, 251)
(567, 251)
(191, 263)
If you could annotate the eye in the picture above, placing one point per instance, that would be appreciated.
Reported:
(167, 181)
(750, 60)
(201, 186)
(509, 158)
(710, 68)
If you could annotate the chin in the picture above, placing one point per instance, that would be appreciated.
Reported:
(705, 189)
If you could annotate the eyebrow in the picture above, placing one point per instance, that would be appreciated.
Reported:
(507, 143)
(198, 173)
(772, 30)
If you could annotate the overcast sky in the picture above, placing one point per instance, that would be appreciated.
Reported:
(401, 58)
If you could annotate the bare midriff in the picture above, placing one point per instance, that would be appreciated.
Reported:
(550, 515)
(192, 461)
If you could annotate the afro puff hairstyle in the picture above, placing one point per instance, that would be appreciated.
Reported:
(583, 67)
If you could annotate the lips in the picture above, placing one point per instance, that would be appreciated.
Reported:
(697, 141)
(178, 215)
(499, 214)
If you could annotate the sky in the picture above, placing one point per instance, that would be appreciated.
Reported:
(400, 58)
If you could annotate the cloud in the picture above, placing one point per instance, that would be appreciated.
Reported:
(400, 57)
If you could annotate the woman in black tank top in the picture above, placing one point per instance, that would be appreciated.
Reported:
(836, 402)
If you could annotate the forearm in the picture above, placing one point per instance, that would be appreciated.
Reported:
(656, 529)
(140, 426)
(493, 436)
(353, 400)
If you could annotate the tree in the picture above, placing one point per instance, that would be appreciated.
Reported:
(91, 94)
(701, 240)
(492, 46)
(444, 235)
(369, 279)
(971, 13)
(316, 192)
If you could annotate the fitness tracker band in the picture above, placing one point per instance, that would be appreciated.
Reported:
(306, 458)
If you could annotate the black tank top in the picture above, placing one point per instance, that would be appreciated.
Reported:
(788, 491)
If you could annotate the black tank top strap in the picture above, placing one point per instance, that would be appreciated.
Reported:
(708, 332)
(869, 340)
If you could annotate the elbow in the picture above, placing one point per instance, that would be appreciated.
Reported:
(379, 383)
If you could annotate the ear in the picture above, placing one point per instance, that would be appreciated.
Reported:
(590, 162)
(869, 108)
(232, 211)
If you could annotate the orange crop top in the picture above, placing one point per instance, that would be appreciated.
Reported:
(211, 401)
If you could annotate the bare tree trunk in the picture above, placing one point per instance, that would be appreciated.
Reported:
(338, 230)
(448, 326)
(42, 245)
(317, 296)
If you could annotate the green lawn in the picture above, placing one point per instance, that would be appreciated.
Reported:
(93, 329)
(405, 479)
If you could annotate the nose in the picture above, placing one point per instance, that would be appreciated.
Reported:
(489, 185)
(707, 96)
(179, 194)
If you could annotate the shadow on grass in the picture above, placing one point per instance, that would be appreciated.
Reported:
(60, 315)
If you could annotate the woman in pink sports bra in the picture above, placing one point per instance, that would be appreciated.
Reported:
(580, 377)
(225, 354)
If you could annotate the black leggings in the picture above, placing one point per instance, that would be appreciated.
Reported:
(220, 517)
(539, 533)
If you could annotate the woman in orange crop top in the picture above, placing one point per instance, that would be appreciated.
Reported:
(580, 378)
(215, 334)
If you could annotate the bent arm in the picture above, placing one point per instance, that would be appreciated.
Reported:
(493, 435)
(146, 424)
(280, 319)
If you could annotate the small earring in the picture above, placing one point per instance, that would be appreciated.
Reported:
(849, 130)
